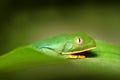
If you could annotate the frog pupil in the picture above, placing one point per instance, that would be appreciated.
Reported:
(79, 40)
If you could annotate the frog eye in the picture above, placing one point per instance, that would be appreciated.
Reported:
(79, 41)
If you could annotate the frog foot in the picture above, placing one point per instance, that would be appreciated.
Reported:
(76, 56)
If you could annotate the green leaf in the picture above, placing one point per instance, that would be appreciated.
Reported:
(27, 64)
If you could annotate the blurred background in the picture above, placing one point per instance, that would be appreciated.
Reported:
(25, 21)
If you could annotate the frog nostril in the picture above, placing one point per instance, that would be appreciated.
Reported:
(92, 42)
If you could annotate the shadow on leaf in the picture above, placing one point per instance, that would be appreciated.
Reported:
(88, 54)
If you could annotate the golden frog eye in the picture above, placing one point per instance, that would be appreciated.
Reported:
(79, 41)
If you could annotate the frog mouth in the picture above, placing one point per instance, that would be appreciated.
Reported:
(75, 52)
